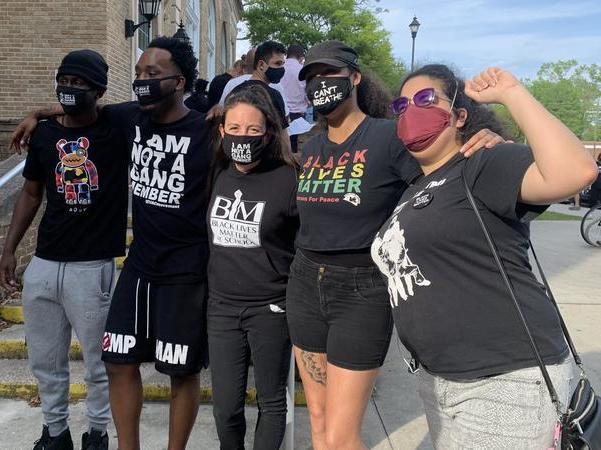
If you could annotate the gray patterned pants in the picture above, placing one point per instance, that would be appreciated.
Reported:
(509, 411)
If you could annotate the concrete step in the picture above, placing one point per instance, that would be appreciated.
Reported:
(17, 381)
(13, 345)
(12, 313)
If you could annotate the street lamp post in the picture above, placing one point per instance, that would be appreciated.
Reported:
(413, 26)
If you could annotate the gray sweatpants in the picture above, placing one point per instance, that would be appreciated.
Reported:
(58, 297)
(509, 411)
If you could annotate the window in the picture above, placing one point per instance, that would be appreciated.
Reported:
(144, 32)
(192, 25)
(212, 17)
(225, 63)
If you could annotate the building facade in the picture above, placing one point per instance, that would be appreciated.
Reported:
(35, 35)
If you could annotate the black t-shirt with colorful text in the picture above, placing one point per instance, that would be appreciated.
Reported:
(84, 172)
(450, 305)
(346, 191)
(169, 165)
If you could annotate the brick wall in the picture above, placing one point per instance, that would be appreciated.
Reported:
(8, 197)
(118, 52)
(35, 35)
(6, 129)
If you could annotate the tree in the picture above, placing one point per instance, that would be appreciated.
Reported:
(572, 92)
(308, 22)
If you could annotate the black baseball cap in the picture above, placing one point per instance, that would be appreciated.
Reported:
(332, 53)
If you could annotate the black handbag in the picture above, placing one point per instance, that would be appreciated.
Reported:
(580, 424)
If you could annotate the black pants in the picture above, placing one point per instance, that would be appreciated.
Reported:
(237, 334)
(294, 138)
(595, 195)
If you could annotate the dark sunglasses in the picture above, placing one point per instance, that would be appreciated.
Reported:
(422, 99)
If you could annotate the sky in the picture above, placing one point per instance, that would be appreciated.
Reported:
(518, 35)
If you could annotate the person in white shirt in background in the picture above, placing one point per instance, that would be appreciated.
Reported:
(249, 61)
(294, 90)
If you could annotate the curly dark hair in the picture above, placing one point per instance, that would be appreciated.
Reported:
(257, 96)
(373, 97)
(478, 116)
(182, 56)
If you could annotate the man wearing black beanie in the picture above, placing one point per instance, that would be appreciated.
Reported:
(158, 312)
(80, 161)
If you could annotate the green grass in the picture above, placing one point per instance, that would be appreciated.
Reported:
(550, 215)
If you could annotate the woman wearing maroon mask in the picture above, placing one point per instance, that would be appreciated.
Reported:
(481, 385)
(337, 304)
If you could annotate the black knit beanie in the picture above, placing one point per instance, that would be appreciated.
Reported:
(86, 64)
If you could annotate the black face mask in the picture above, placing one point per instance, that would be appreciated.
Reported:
(274, 75)
(244, 149)
(328, 93)
(149, 91)
(73, 100)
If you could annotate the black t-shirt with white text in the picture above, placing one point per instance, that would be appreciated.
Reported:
(346, 191)
(84, 172)
(169, 165)
(253, 223)
(450, 305)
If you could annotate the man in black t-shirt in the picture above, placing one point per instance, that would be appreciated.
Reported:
(81, 163)
(159, 308)
(269, 62)
(158, 311)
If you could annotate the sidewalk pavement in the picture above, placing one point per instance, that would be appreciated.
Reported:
(394, 419)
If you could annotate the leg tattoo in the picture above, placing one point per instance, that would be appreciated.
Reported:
(315, 364)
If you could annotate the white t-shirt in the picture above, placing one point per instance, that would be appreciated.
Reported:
(234, 82)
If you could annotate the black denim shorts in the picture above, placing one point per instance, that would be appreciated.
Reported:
(341, 311)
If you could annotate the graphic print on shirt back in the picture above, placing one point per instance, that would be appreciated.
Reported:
(391, 255)
(158, 172)
(333, 180)
(75, 174)
(236, 222)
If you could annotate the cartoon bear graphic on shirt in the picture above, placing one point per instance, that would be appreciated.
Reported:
(75, 174)
(391, 255)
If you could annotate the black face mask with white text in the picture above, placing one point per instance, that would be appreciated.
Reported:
(74, 100)
(328, 93)
(244, 149)
(149, 91)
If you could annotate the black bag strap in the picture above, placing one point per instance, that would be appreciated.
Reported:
(507, 281)
(564, 328)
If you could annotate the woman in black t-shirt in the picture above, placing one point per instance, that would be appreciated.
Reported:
(481, 387)
(252, 222)
(352, 177)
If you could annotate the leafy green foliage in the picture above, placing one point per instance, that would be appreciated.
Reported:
(571, 91)
(308, 22)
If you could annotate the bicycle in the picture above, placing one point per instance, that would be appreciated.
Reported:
(590, 227)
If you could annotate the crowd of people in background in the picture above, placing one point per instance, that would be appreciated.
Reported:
(249, 248)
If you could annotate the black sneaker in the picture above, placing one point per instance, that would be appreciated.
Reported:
(61, 442)
(94, 440)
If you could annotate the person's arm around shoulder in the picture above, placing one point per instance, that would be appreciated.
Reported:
(27, 206)
(19, 140)
(562, 166)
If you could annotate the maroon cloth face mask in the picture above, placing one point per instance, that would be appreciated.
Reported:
(419, 127)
